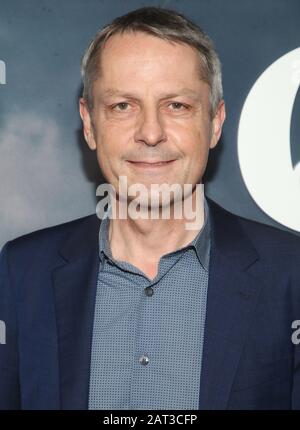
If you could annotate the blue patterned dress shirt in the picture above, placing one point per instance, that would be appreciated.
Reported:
(148, 334)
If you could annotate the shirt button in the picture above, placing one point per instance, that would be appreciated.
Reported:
(149, 291)
(144, 360)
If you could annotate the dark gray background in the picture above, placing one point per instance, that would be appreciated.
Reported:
(47, 173)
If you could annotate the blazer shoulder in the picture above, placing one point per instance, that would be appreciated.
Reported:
(271, 239)
(49, 237)
(263, 237)
(269, 235)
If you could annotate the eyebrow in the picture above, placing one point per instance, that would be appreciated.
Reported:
(184, 91)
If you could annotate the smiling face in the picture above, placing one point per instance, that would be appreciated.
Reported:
(149, 105)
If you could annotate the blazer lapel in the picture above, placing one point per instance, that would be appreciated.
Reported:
(75, 285)
(232, 297)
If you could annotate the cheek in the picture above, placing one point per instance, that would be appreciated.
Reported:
(110, 145)
(114, 134)
(191, 139)
(109, 141)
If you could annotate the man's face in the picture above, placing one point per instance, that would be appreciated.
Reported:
(149, 106)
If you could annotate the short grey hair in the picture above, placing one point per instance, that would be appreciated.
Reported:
(165, 24)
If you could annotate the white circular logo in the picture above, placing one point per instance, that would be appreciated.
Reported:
(264, 149)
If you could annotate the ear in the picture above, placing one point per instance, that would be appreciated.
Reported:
(87, 123)
(217, 124)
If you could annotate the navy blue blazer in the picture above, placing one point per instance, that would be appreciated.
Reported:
(48, 284)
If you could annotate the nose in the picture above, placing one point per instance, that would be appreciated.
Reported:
(150, 129)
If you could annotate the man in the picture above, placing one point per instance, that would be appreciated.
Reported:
(143, 313)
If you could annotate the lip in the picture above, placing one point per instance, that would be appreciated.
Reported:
(145, 164)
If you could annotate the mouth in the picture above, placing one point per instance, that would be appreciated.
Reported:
(151, 165)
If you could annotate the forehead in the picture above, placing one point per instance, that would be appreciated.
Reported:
(141, 55)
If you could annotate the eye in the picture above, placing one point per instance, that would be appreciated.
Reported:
(121, 105)
(178, 106)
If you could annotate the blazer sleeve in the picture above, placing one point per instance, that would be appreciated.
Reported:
(9, 375)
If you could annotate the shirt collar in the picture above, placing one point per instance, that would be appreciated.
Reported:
(104, 246)
(201, 243)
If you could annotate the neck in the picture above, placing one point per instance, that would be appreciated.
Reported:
(151, 238)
